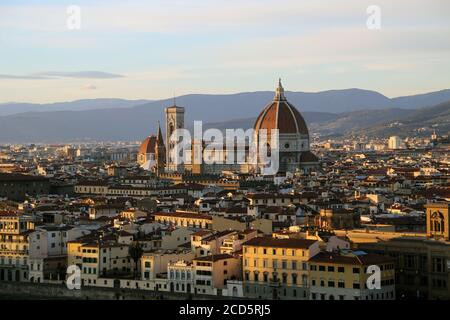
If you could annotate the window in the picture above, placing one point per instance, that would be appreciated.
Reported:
(355, 270)
(321, 268)
(356, 286)
(341, 269)
(438, 265)
(331, 284)
(341, 284)
(294, 278)
(330, 269)
(294, 265)
(409, 261)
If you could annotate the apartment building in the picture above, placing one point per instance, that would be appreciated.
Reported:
(213, 272)
(180, 276)
(48, 251)
(156, 262)
(98, 259)
(14, 249)
(277, 268)
(344, 275)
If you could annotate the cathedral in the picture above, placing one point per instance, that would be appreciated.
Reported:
(293, 143)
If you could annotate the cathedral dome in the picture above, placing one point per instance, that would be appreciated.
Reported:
(148, 145)
(281, 115)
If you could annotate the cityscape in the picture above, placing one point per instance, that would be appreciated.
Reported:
(275, 194)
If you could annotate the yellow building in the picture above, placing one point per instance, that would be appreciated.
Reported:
(240, 224)
(421, 260)
(184, 219)
(14, 231)
(343, 276)
(133, 214)
(277, 268)
(99, 259)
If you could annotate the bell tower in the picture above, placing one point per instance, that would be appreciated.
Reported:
(174, 121)
(438, 222)
(160, 151)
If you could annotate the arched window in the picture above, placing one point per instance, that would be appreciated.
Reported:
(437, 222)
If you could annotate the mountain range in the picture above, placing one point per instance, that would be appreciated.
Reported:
(333, 112)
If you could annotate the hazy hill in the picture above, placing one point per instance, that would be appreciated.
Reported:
(436, 117)
(328, 112)
(78, 105)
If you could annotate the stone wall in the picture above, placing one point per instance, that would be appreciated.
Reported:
(22, 290)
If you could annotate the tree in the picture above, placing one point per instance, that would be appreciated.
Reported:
(135, 251)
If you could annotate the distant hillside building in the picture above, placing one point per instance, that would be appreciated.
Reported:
(395, 142)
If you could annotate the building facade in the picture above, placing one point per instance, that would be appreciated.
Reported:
(277, 268)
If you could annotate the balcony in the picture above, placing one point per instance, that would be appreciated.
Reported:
(274, 282)
(8, 251)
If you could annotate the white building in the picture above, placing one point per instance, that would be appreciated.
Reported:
(395, 142)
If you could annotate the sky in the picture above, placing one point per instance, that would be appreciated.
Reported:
(157, 49)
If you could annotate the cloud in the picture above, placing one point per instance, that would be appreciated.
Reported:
(15, 77)
(58, 75)
(80, 74)
(90, 87)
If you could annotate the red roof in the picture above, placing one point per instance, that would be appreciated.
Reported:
(148, 145)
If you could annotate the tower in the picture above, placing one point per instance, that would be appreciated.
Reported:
(174, 121)
(438, 220)
(160, 151)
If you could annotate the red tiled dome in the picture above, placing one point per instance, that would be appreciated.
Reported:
(281, 115)
(148, 145)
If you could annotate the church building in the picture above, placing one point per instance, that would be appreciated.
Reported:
(293, 143)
